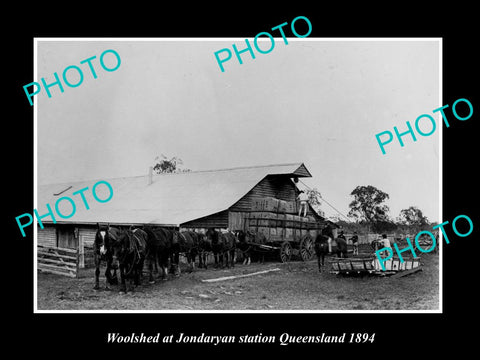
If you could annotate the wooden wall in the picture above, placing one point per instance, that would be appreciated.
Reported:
(217, 220)
(88, 234)
(236, 220)
(47, 236)
(275, 186)
(66, 236)
(53, 235)
(279, 187)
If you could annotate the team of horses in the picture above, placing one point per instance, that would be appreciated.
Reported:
(126, 250)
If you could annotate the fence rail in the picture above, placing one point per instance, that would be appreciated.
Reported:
(60, 261)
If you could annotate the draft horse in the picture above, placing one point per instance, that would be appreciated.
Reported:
(223, 247)
(103, 251)
(204, 248)
(321, 245)
(188, 244)
(162, 248)
(154, 246)
(129, 252)
(245, 246)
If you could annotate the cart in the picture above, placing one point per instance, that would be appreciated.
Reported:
(371, 265)
(285, 234)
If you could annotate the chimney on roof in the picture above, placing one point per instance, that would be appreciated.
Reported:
(150, 174)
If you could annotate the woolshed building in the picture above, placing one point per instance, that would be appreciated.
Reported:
(258, 198)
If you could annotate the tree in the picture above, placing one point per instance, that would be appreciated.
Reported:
(367, 205)
(368, 208)
(314, 197)
(165, 165)
(384, 226)
(413, 217)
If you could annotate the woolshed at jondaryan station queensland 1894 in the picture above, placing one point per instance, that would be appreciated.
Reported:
(259, 198)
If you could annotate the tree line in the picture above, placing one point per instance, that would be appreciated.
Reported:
(368, 210)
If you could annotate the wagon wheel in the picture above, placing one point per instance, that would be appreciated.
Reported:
(285, 252)
(306, 248)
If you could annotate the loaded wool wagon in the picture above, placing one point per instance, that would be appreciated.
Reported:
(267, 213)
(274, 226)
(258, 199)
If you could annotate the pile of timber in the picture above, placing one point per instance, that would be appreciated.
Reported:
(55, 260)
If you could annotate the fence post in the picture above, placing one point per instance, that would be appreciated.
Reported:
(77, 262)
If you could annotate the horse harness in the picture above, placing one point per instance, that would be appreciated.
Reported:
(104, 256)
(197, 244)
(248, 234)
(136, 252)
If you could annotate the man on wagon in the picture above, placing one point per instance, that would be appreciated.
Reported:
(303, 198)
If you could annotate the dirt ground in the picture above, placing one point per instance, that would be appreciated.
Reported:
(296, 286)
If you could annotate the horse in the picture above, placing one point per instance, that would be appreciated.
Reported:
(163, 247)
(244, 246)
(321, 244)
(174, 253)
(204, 248)
(321, 249)
(213, 238)
(229, 247)
(153, 248)
(223, 245)
(129, 252)
(341, 246)
(188, 243)
(102, 251)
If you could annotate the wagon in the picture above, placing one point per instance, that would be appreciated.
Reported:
(285, 234)
(371, 265)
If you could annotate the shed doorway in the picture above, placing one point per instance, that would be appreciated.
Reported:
(66, 237)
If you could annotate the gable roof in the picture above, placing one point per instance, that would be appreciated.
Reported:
(171, 199)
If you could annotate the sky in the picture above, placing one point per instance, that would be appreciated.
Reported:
(316, 101)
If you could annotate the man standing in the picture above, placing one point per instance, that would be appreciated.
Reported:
(354, 239)
(321, 248)
(341, 245)
(386, 244)
(303, 198)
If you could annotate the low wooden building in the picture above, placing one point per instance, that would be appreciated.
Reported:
(198, 199)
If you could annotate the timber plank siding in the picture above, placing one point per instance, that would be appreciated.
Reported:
(47, 236)
(278, 187)
(272, 186)
(217, 220)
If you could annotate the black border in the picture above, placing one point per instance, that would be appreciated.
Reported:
(408, 333)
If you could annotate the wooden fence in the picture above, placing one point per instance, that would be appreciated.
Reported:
(60, 261)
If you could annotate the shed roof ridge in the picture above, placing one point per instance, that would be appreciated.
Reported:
(250, 167)
(66, 183)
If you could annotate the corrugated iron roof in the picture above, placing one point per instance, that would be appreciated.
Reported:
(171, 199)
